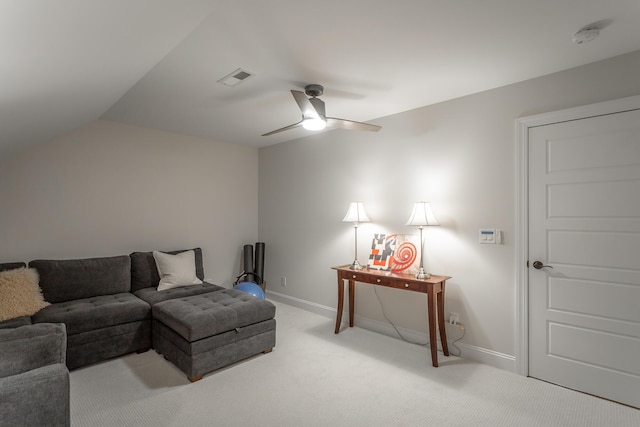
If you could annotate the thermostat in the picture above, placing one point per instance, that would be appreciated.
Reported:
(490, 236)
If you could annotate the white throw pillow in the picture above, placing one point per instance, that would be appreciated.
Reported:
(176, 270)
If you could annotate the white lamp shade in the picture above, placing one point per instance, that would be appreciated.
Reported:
(356, 213)
(422, 215)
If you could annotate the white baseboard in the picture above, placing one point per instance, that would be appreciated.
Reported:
(320, 309)
(471, 352)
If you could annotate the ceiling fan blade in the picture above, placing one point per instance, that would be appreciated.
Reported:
(334, 123)
(318, 105)
(295, 125)
(308, 110)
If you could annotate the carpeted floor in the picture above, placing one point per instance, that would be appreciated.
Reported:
(316, 378)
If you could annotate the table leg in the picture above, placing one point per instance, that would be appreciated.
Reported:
(441, 326)
(431, 311)
(352, 300)
(340, 304)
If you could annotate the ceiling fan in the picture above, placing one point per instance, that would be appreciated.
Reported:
(314, 117)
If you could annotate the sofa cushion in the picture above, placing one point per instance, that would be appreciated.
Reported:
(152, 296)
(11, 265)
(93, 313)
(20, 294)
(144, 272)
(176, 270)
(72, 279)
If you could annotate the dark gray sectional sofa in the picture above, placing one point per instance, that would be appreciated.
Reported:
(93, 298)
(106, 305)
(103, 308)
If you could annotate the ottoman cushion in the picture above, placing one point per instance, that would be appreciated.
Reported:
(205, 315)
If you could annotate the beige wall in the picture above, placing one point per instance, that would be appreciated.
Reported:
(460, 156)
(110, 189)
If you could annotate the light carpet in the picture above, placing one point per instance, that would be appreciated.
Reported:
(316, 378)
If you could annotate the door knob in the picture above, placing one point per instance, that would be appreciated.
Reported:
(538, 265)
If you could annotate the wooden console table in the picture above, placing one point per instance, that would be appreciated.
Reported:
(433, 287)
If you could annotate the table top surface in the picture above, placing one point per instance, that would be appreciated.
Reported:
(399, 276)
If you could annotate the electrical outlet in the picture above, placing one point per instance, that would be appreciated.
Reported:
(283, 281)
(454, 318)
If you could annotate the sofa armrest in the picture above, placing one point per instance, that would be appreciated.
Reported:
(15, 322)
(39, 397)
(32, 346)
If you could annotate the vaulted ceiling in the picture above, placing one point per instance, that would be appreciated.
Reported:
(156, 63)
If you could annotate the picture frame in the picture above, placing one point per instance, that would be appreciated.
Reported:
(406, 254)
(397, 253)
(382, 249)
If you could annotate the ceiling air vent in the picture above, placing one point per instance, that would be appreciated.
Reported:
(236, 77)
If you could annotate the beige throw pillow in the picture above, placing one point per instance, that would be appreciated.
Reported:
(20, 294)
(176, 270)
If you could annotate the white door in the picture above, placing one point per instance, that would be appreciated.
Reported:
(584, 224)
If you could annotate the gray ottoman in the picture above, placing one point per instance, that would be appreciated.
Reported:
(202, 333)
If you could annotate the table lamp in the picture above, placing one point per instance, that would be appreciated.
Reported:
(421, 216)
(356, 215)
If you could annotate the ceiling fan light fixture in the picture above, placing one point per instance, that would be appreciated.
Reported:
(314, 117)
(314, 124)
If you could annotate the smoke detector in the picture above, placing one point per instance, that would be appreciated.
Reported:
(585, 35)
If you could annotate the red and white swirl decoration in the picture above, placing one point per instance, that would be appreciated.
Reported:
(404, 256)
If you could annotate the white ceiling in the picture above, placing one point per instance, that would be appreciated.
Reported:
(155, 63)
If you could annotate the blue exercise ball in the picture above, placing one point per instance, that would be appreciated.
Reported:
(250, 288)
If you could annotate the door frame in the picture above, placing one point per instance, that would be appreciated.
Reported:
(523, 125)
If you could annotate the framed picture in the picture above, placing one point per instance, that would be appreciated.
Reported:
(382, 249)
(405, 257)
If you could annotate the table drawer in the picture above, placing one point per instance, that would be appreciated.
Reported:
(354, 275)
(384, 281)
(367, 278)
(410, 286)
(392, 282)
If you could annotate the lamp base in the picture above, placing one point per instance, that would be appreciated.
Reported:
(355, 265)
(423, 274)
